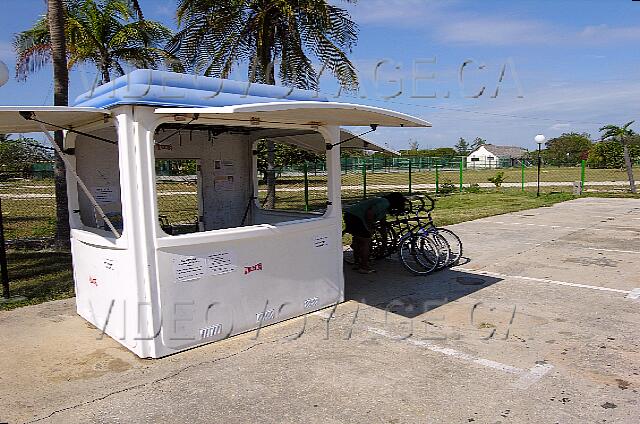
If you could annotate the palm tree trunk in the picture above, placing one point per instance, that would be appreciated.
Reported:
(104, 70)
(60, 98)
(267, 68)
(627, 162)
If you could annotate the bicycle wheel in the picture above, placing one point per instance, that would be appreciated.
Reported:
(443, 247)
(431, 254)
(382, 242)
(418, 254)
(454, 243)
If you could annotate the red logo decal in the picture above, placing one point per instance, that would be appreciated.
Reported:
(256, 267)
(93, 281)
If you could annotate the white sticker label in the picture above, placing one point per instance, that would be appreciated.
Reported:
(221, 263)
(189, 268)
(104, 195)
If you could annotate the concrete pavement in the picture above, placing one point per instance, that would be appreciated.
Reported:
(539, 325)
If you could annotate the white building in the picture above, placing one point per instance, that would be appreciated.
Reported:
(492, 156)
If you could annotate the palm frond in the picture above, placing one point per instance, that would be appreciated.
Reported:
(216, 35)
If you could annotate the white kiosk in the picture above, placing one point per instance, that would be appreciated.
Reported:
(241, 266)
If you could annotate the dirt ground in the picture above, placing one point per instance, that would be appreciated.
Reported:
(540, 324)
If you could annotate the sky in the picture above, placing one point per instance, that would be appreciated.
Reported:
(500, 70)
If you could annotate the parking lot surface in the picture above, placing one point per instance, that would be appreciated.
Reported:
(540, 324)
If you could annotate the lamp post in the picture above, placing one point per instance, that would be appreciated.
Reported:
(539, 139)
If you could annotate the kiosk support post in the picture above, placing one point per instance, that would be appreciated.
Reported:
(364, 179)
(410, 188)
(3, 260)
(306, 187)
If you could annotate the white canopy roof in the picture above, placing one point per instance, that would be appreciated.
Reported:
(11, 121)
(303, 112)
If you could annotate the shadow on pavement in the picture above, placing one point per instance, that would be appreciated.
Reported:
(394, 289)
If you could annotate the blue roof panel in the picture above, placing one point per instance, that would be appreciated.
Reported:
(162, 88)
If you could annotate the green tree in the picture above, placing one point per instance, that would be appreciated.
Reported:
(217, 35)
(567, 149)
(623, 136)
(462, 147)
(102, 32)
(477, 142)
(284, 155)
(17, 155)
(441, 152)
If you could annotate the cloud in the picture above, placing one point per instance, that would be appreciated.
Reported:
(510, 31)
(398, 13)
(559, 126)
(451, 22)
(494, 31)
(580, 106)
(603, 34)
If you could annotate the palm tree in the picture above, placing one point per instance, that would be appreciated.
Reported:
(622, 135)
(102, 32)
(58, 48)
(217, 35)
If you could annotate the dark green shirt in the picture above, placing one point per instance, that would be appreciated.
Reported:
(378, 205)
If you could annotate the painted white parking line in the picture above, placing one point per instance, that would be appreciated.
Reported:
(491, 221)
(527, 377)
(634, 294)
(543, 280)
(539, 225)
(610, 250)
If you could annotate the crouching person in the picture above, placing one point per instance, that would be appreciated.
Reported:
(360, 220)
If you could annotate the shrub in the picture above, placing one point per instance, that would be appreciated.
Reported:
(447, 188)
(473, 188)
(498, 179)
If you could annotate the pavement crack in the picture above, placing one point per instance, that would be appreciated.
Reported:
(150, 383)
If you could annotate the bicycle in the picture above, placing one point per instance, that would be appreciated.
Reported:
(422, 247)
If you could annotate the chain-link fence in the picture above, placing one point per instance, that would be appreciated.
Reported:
(29, 203)
(29, 210)
(177, 193)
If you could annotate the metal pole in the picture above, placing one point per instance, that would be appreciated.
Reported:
(461, 172)
(409, 176)
(582, 174)
(539, 165)
(522, 160)
(437, 185)
(3, 260)
(306, 187)
(364, 179)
